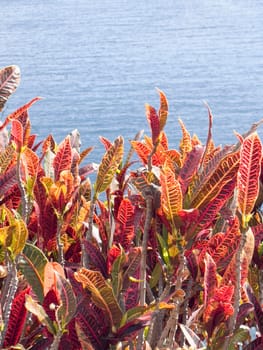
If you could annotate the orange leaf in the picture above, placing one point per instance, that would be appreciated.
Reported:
(225, 172)
(31, 161)
(50, 279)
(163, 111)
(17, 133)
(171, 194)
(63, 158)
(154, 122)
(186, 142)
(248, 174)
(142, 150)
(19, 112)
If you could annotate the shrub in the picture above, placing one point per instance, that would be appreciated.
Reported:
(166, 256)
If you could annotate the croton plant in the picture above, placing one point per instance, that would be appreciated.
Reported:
(163, 251)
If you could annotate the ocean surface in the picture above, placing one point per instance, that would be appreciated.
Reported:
(96, 64)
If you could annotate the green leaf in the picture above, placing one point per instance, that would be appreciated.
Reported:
(155, 277)
(17, 235)
(67, 309)
(38, 310)
(239, 336)
(32, 262)
(117, 273)
(164, 250)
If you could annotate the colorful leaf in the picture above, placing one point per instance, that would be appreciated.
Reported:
(109, 165)
(190, 167)
(208, 213)
(210, 279)
(142, 150)
(67, 308)
(17, 235)
(17, 319)
(124, 232)
(32, 262)
(51, 272)
(9, 81)
(101, 293)
(171, 194)
(153, 120)
(185, 143)
(223, 246)
(248, 173)
(6, 157)
(225, 172)
(8, 180)
(31, 162)
(257, 307)
(63, 158)
(17, 133)
(39, 312)
(163, 110)
(15, 115)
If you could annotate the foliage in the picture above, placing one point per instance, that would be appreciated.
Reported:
(168, 255)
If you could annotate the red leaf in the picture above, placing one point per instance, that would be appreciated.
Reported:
(154, 122)
(163, 111)
(19, 112)
(31, 161)
(126, 219)
(142, 150)
(190, 166)
(7, 180)
(17, 133)
(63, 158)
(17, 319)
(106, 143)
(96, 259)
(223, 246)
(248, 174)
(209, 213)
(210, 278)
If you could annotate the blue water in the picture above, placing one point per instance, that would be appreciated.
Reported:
(96, 63)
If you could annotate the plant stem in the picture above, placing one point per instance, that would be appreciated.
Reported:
(84, 256)
(59, 243)
(237, 293)
(170, 329)
(56, 341)
(24, 198)
(8, 294)
(143, 287)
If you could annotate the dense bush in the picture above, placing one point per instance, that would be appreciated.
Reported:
(163, 254)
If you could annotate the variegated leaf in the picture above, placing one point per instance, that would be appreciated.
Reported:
(186, 142)
(190, 167)
(15, 115)
(142, 150)
(9, 81)
(31, 162)
(101, 293)
(226, 171)
(171, 194)
(153, 120)
(248, 173)
(222, 246)
(6, 157)
(63, 158)
(210, 278)
(163, 110)
(109, 165)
